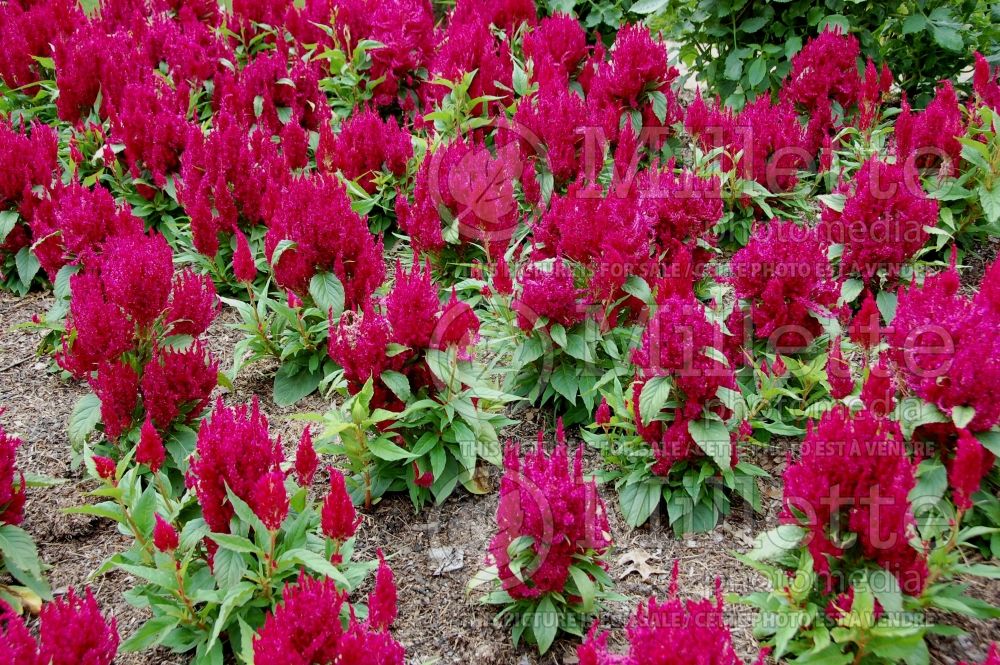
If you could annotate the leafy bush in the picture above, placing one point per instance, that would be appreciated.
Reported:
(552, 536)
(214, 560)
(850, 581)
(745, 48)
(669, 438)
(419, 413)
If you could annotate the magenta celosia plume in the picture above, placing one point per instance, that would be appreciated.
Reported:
(854, 476)
(545, 497)
(306, 627)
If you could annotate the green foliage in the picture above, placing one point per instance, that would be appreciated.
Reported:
(881, 625)
(447, 432)
(743, 48)
(213, 612)
(698, 491)
(538, 621)
(293, 334)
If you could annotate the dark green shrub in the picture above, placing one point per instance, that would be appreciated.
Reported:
(742, 47)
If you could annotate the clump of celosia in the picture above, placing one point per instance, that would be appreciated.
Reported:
(11, 480)
(230, 179)
(550, 292)
(307, 626)
(71, 631)
(151, 124)
(882, 223)
(506, 15)
(557, 47)
(673, 345)
(685, 632)
(314, 213)
(27, 32)
(854, 477)
(773, 142)
(611, 236)
(930, 138)
(74, 222)
(258, 93)
(783, 274)
(939, 342)
(235, 451)
(825, 70)
(684, 206)
(468, 47)
(406, 32)
(549, 128)
(365, 146)
(411, 315)
(544, 497)
(462, 184)
(27, 160)
(626, 83)
(125, 303)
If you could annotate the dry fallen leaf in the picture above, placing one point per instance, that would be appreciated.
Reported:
(640, 561)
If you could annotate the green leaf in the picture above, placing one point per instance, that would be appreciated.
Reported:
(753, 24)
(228, 568)
(151, 633)
(8, 218)
(18, 547)
(851, 289)
(758, 70)
(236, 596)
(293, 382)
(86, 414)
(990, 201)
(990, 440)
(388, 451)
(948, 38)
(886, 305)
(962, 416)
(558, 334)
(638, 501)
(316, 563)
(27, 265)
(734, 66)
(328, 293)
(659, 105)
(654, 395)
(398, 384)
(713, 438)
(235, 543)
(648, 6)
(585, 586)
(914, 23)
(545, 624)
(770, 545)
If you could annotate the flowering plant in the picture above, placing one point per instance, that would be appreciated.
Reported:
(214, 559)
(325, 268)
(673, 435)
(71, 630)
(851, 575)
(133, 334)
(29, 160)
(690, 631)
(18, 554)
(419, 413)
(548, 551)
